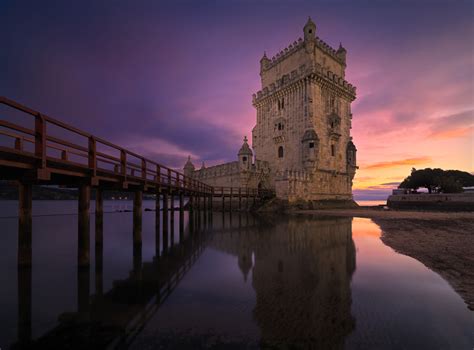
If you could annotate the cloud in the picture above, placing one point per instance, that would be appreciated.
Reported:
(453, 133)
(391, 183)
(397, 163)
(132, 75)
(453, 126)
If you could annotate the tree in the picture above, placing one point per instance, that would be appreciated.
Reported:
(448, 184)
(438, 180)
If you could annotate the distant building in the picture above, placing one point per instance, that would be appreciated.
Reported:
(400, 191)
(301, 142)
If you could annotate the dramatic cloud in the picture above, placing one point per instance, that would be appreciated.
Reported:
(169, 79)
(400, 162)
(453, 126)
(391, 184)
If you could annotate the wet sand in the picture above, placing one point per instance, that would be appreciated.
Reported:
(442, 241)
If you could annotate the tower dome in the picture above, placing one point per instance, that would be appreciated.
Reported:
(245, 149)
(264, 62)
(309, 30)
(341, 53)
(189, 167)
(245, 156)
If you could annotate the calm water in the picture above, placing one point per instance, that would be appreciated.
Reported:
(233, 282)
(365, 202)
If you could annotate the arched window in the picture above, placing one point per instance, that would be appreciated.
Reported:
(280, 152)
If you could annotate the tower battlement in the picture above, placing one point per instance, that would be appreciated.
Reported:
(299, 44)
(316, 72)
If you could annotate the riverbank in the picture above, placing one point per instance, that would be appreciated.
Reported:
(442, 241)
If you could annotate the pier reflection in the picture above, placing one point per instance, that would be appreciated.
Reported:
(113, 318)
(301, 273)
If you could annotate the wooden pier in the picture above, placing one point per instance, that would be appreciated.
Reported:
(50, 152)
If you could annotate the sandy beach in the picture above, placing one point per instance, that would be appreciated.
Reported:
(442, 241)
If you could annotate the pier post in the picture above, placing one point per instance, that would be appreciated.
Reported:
(137, 217)
(83, 290)
(190, 221)
(181, 216)
(204, 206)
(137, 261)
(83, 237)
(230, 202)
(199, 213)
(223, 200)
(24, 305)
(99, 268)
(240, 199)
(157, 223)
(212, 199)
(165, 221)
(25, 223)
(172, 219)
(99, 217)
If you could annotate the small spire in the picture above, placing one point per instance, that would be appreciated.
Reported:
(310, 22)
(341, 48)
(189, 164)
(245, 139)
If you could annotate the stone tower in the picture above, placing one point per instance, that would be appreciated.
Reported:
(304, 120)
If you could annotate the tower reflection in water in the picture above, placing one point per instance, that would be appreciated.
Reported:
(301, 273)
(299, 268)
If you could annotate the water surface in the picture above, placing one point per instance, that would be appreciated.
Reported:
(231, 280)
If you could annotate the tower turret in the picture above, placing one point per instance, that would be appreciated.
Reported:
(309, 30)
(264, 62)
(189, 168)
(245, 156)
(341, 53)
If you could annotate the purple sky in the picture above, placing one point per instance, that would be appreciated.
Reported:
(168, 79)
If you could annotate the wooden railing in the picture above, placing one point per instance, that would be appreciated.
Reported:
(95, 158)
(117, 161)
(242, 192)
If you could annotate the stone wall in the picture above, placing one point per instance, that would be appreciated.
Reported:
(233, 174)
(447, 201)
(294, 186)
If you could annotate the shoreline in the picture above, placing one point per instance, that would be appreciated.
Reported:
(442, 241)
